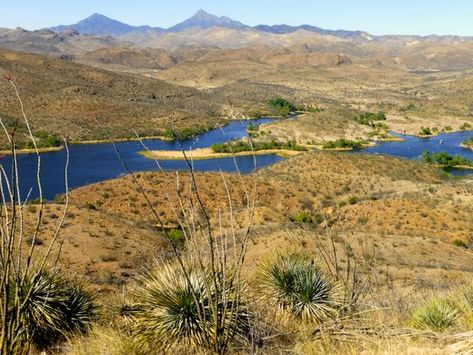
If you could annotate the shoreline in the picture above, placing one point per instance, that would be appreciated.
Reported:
(321, 148)
(207, 154)
(120, 140)
(462, 167)
(32, 150)
(390, 139)
(467, 146)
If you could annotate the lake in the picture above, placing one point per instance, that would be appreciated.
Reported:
(91, 163)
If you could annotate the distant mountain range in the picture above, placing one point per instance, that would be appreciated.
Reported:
(99, 39)
(101, 25)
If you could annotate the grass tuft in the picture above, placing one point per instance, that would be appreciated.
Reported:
(437, 314)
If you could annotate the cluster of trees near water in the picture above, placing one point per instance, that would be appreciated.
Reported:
(369, 118)
(445, 160)
(184, 133)
(343, 144)
(283, 106)
(245, 146)
(468, 142)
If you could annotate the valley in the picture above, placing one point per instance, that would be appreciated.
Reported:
(221, 188)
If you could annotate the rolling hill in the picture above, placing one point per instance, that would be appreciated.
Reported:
(80, 102)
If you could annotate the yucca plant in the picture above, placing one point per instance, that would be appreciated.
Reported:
(36, 307)
(296, 285)
(53, 308)
(437, 314)
(463, 300)
(175, 309)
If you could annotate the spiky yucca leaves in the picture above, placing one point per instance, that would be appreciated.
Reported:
(53, 308)
(463, 300)
(437, 314)
(296, 285)
(175, 310)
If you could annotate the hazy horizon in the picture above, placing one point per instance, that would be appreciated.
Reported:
(404, 17)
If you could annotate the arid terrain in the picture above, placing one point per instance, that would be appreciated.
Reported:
(323, 252)
(203, 76)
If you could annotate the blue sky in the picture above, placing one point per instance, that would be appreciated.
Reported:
(375, 16)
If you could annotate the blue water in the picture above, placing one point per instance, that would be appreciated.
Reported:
(90, 163)
(413, 147)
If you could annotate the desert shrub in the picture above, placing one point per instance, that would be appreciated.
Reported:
(353, 200)
(244, 146)
(343, 144)
(445, 160)
(468, 142)
(425, 131)
(369, 118)
(408, 107)
(54, 307)
(296, 285)
(308, 108)
(175, 310)
(460, 243)
(465, 127)
(305, 217)
(90, 206)
(44, 140)
(437, 314)
(177, 238)
(283, 106)
(184, 134)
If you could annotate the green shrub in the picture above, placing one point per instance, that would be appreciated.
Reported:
(369, 118)
(343, 144)
(296, 285)
(44, 140)
(184, 134)
(436, 314)
(460, 243)
(283, 106)
(244, 146)
(90, 206)
(466, 126)
(408, 107)
(177, 238)
(353, 200)
(468, 142)
(307, 218)
(445, 160)
(425, 131)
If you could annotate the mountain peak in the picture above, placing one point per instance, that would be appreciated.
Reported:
(203, 19)
(98, 24)
(202, 12)
(96, 16)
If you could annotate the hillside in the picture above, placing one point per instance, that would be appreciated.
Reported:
(83, 103)
(313, 249)
(407, 213)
